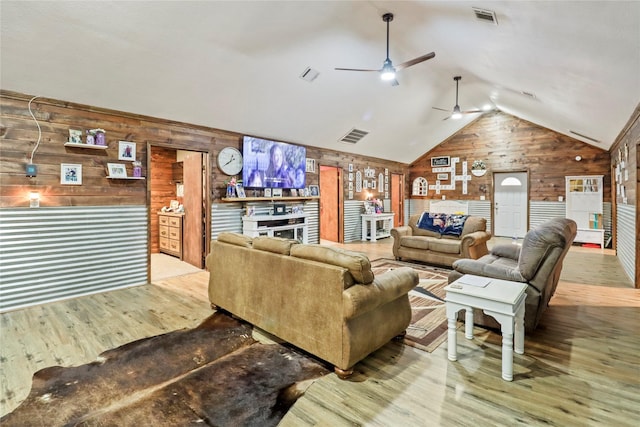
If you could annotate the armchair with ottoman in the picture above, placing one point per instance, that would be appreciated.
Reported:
(538, 262)
(441, 238)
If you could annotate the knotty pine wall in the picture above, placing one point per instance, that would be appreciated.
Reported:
(506, 143)
(163, 189)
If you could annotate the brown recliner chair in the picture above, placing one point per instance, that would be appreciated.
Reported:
(538, 262)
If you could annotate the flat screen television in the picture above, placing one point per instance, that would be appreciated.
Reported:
(272, 164)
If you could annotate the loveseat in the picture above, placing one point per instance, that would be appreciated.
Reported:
(538, 262)
(321, 299)
(437, 245)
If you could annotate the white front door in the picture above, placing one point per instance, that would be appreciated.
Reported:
(510, 204)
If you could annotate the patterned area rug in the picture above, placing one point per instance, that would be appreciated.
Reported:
(428, 328)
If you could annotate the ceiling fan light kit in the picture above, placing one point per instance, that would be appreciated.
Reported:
(388, 71)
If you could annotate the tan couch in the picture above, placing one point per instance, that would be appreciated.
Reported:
(413, 243)
(538, 262)
(323, 300)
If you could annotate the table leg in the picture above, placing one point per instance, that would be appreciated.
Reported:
(507, 356)
(519, 344)
(468, 323)
(451, 339)
(373, 230)
(364, 230)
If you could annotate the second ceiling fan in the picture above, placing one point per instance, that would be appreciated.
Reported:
(388, 71)
(457, 113)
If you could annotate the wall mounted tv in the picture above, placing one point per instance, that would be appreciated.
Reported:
(272, 164)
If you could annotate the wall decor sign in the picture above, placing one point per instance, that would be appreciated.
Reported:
(443, 176)
(358, 181)
(311, 165)
(70, 174)
(440, 161)
(127, 150)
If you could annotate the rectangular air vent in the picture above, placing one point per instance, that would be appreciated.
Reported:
(586, 137)
(485, 15)
(309, 74)
(353, 136)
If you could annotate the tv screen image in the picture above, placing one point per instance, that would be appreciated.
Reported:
(273, 164)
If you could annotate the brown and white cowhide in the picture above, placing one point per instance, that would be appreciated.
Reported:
(215, 374)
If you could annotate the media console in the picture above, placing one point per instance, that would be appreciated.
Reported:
(290, 226)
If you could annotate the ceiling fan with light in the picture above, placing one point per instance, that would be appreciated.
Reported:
(457, 113)
(388, 71)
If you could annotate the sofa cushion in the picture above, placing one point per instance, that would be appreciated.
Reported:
(356, 262)
(417, 231)
(445, 246)
(416, 242)
(235, 239)
(277, 245)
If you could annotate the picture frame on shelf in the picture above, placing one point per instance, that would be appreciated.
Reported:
(127, 151)
(75, 136)
(240, 191)
(314, 190)
(307, 193)
(174, 205)
(117, 170)
(267, 192)
(70, 174)
(276, 192)
(294, 192)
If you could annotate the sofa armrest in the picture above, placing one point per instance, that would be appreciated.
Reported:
(474, 245)
(479, 268)
(397, 233)
(507, 251)
(359, 299)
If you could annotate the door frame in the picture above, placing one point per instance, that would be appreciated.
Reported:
(206, 193)
(493, 196)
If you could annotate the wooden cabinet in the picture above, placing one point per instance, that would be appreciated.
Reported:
(170, 233)
(584, 206)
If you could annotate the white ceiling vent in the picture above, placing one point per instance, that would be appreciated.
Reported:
(309, 74)
(485, 15)
(586, 137)
(353, 136)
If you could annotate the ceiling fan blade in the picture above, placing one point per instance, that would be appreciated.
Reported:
(441, 109)
(394, 82)
(415, 61)
(353, 69)
(471, 112)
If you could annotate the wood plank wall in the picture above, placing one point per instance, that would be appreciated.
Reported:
(163, 188)
(630, 137)
(19, 134)
(506, 143)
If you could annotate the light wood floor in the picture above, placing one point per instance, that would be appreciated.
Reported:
(580, 367)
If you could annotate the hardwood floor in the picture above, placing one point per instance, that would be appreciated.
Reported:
(580, 367)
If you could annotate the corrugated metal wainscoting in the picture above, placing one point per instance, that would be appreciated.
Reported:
(352, 220)
(626, 239)
(50, 254)
(228, 216)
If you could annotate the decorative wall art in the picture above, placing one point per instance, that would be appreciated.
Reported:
(358, 181)
(369, 173)
(380, 182)
(127, 150)
(314, 190)
(420, 187)
(350, 167)
(440, 161)
(117, 170)
(442, 176)
(311, 165)
(75, 136)
(70, 174)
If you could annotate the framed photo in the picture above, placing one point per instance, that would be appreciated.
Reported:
(276, 192)
(75, 136)
(294, 192)
(267, 192)
(240, 191)
(350, 167)
(350, 176)
(314, 190)
(437, 162)
(307, 193)
(70, 174)
(127, 150)
(117, 170)
(351, 186)
(311, 166)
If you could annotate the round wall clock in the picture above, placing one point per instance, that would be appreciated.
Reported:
(230, 161)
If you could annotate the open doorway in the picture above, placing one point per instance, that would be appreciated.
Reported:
(178, 241)
(330, 204)
(510, 204)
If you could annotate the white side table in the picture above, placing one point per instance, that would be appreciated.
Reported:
(501, 299)
(372, 220)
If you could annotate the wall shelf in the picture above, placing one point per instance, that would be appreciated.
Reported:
(267, 199)
(90, 146)
(126, 177)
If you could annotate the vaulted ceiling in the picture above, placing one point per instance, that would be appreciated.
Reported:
(568, 66)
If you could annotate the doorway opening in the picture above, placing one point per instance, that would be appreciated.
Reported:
(510, 204)
(179, 177)
(331, 198)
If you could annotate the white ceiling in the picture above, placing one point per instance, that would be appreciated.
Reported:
(236, 65)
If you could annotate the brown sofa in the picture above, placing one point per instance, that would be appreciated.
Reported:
(538, 262)
(413, 243)
(323, 300)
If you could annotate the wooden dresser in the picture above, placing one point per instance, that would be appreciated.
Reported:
(170, 233)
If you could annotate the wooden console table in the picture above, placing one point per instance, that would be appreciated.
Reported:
(370, 221)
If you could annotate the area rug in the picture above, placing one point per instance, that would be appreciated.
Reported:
(428, 328)
(215, 374)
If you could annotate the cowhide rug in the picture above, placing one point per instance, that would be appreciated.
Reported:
(215, 374)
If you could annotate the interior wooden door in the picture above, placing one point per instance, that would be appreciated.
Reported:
(330, 203)
(397, 199)
(193, 226)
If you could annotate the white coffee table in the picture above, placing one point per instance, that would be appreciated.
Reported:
(501, 299)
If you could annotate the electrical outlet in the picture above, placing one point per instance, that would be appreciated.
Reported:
(32, 170)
